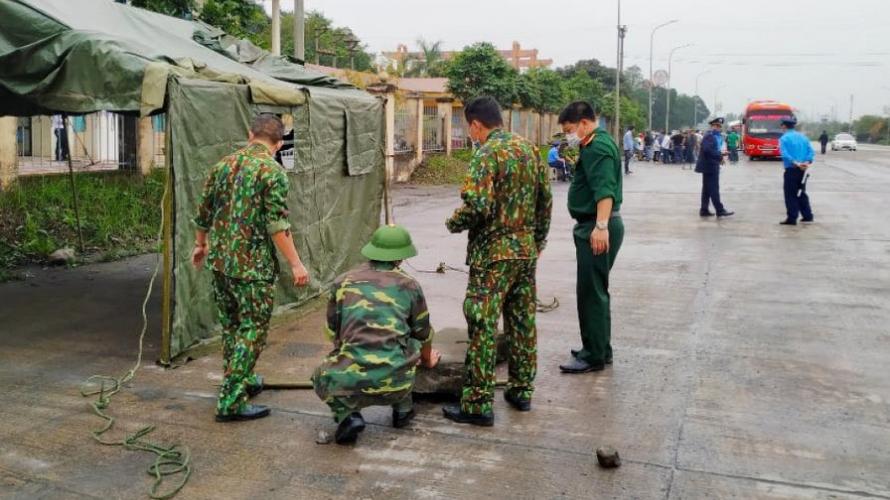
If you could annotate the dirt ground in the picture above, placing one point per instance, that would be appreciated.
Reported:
(750, 362)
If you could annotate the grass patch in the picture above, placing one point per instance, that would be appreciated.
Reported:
(441, 169)
(120, 214)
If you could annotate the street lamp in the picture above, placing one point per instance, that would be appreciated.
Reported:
(651, 47)
(667, 113)
(696, 98)
(716, 94)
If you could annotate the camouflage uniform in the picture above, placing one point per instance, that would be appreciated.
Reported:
(378, 321)
(243, 204)
(506, 209)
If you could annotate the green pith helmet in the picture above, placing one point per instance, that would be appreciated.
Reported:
(389, 243)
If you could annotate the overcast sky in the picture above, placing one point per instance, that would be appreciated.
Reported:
(812, 54)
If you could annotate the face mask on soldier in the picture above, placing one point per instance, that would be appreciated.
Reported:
(573, 140)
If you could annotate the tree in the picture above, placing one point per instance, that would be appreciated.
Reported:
(631, 112)
(870, 128)
(239, 18)
(480, 70)
(581, 87)
(551, 88)
(431, 64)
(177, 8)
(594, 69)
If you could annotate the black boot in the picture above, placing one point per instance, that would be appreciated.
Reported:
(250, 412)
(253, 390)
(788, 222)
(401, 419)
(580, 366)
(516, 402)
(454, 413)
(349, 428)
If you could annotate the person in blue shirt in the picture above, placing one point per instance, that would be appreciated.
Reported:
(630, 145)
(797, 156)
(559, 163)
(709, 160)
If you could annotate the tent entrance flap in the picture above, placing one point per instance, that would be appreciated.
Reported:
(332, 213)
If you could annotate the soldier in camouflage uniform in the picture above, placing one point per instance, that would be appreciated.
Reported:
(506, 209)
(242, 213)
(380, 327)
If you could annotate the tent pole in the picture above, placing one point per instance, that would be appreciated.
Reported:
(73, 186)
(167, 288)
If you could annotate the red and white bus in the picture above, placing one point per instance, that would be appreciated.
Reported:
(761, 128)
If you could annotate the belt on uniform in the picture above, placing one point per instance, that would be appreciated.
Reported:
(592, 218)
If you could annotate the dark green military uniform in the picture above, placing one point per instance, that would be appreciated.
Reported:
(506, 209)
(598, 176)
(378, 321)
(243, 204)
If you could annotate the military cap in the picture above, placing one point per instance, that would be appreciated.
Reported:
(390, 243)
(716, 121)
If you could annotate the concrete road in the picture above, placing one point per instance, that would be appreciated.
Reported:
(751, 361)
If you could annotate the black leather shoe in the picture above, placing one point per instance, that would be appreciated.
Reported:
(705, 214)
(253, 390)
(402, 419)
(250, 412)
(787, 222)
(725, 213)
(518, 404)
(349, 428)
(576, 351)
(579, 366)
(806, 221)
(455, 414)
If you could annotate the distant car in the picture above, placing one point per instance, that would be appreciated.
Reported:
(844, 141)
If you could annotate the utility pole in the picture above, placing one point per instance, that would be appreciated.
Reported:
(299, 31)
(617, 124)
(851, 113)
(667, 113)
(276, 27)
(651, 48)
(716, 95)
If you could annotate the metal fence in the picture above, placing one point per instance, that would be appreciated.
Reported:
(433, 129)
(460, 138)
(405, 133)
(96, 141)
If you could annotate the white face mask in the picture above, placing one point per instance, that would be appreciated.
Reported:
(573, 140)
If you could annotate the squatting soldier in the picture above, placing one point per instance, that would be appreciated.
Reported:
(243, 211)
(380, 326)
(506, 209)
(594, 202)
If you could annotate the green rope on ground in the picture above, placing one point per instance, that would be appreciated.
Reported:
(169, 460)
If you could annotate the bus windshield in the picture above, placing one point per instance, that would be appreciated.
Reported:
(765, 125)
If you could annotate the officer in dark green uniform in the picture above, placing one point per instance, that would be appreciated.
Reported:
(594, 202)
(242, 213)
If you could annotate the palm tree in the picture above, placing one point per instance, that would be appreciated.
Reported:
(432, 62)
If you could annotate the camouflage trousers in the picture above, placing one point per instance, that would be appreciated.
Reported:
(343, 405)
(506, 287)
(245, 308)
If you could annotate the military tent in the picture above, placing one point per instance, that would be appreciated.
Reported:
(82, 56)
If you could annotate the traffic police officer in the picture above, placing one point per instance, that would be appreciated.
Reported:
(797, 156)
(506, 209)
(709, 160)
(595, 197)
(243, 211)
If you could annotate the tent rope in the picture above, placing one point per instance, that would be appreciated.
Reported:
(443, 268)
(171, 459)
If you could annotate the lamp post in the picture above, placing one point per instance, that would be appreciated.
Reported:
(651, 47)
(667, 113)
(716, 94)
(622, 30)
(696, 98)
